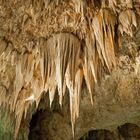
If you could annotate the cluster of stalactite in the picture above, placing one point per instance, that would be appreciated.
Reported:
(57, 44)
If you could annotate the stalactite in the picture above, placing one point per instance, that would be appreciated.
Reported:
(127, 20)
(60, 60)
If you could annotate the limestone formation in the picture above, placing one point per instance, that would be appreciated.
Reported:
(60, 47)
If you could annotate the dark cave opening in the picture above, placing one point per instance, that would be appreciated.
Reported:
(39, 124)
(98, 135)
(127, 131)
(35, 132)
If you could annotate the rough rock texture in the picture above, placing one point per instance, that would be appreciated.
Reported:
(115, 105)
(127, 131)
(115, 113)
(116, 98)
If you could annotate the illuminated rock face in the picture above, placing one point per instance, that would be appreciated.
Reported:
(109, 112)
(68, 47)
(115, 112)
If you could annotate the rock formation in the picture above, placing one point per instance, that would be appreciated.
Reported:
(53, 53)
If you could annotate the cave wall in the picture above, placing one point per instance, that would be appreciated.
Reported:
(116, 102)
(6, 125)
(113, 107)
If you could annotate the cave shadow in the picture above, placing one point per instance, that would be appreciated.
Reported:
(127, 131)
